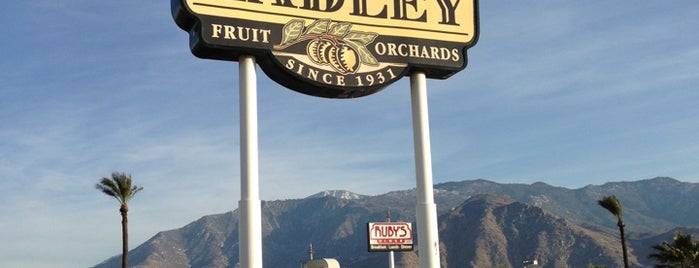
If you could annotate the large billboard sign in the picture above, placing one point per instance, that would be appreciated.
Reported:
(390, 236)
(334, 48)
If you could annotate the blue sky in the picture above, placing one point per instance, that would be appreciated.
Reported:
(567, 93)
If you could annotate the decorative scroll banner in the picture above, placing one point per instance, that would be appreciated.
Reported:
(334, 48)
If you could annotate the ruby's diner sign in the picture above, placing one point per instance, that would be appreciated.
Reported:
(334, 48)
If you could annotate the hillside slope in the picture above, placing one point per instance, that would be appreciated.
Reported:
(482, 224)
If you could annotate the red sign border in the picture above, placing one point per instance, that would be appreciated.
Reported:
(400, 246)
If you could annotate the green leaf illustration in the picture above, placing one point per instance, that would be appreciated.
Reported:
(340, 28)
(365, 55)
(318, 27)
(292, 31)
(363, 38)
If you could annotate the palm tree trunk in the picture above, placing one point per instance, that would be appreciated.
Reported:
(124, 237)
(623, 243)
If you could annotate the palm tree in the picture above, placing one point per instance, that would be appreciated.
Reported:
(612, 204)
(119, 187)
(683, 252)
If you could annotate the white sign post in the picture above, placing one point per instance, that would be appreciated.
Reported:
(427, 232)
(249, 206)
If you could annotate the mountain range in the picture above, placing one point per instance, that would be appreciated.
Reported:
(481, 224)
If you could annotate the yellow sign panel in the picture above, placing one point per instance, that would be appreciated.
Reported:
(334, 48)
(435, 19)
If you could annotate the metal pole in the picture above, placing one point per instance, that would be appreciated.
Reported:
(428, 236)
(249, 206)
(391, 261)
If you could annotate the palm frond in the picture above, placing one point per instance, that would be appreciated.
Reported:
(118, 186)
(108, 187)
(612, 204)
(683, 252)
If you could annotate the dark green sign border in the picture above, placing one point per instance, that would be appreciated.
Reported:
(296, 77)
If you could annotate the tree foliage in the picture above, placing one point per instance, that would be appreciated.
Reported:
(118, 186)
(612, 204)
(682, 253)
